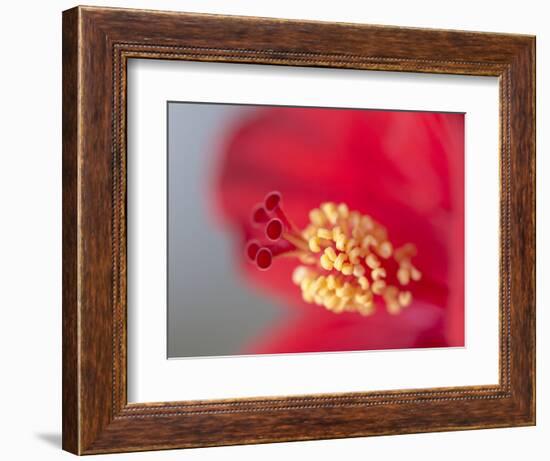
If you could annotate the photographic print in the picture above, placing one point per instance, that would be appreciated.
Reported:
(270, 238)
(307, 230)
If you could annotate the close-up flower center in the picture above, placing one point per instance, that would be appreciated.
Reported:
(345, 258)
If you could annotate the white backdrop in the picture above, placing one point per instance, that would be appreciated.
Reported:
(152, 378)
(30, 243)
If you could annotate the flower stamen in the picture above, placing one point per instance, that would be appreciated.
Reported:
(346, 257)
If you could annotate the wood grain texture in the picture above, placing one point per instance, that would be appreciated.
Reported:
(97, 43)
(70, 384)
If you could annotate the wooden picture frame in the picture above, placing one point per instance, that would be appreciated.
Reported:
(97, 43)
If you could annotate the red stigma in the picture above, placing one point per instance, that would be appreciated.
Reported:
(264, 258)
(272, 200)
(259, 214)
(274, 229)
(251, 250)
(275, 235)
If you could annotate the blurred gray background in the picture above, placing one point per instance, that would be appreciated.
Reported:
(211, 310)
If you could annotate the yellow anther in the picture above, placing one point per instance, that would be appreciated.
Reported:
(330, 211)
(323, 291)
(368, 241)
(362, 299)
(416, 275)
(350, 244)
(367, 309)
(363, 283)
(305, 283)
(372, 261)
(324, 233)
(343, 210)
(317, 217)
(361, 246)
(378, 286)
(358, 270)
(339, 261)
(331, 282)
(393, 307)
(369, 296)
(317, 283)
(378, 273)
(404, 298)
(331, 254)
(312, 289)
(403, 276)
(350, 306)
(299, 274)
(405, 252)
(345, 290)
(354, 217)
(313, 244)
(390, 292)
(309, 231)
(344, 225)
(367, 223)
(354, 255)
(347, 269)
(390, 297)
(342, 304)
(328, 207)
(341, 242)
(331, 301)
(326, 263)
(385, 249)
(406, 264)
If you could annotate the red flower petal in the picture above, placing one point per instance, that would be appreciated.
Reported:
(405, 169)
(324, 331)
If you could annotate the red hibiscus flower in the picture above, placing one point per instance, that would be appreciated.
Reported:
(403, 169)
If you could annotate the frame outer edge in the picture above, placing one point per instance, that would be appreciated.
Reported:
(530, 171)
(91, 419)
(522, 251)
(70, 177)
(533, 55)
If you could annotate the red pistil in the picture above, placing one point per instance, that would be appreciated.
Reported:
(274, 229)
(251, 249)
(272, 200)
(272, 204)
(279, 237)
(262, 255)
(264, 258)
(259, 215)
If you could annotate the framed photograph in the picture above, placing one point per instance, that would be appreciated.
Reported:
(281, 230)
